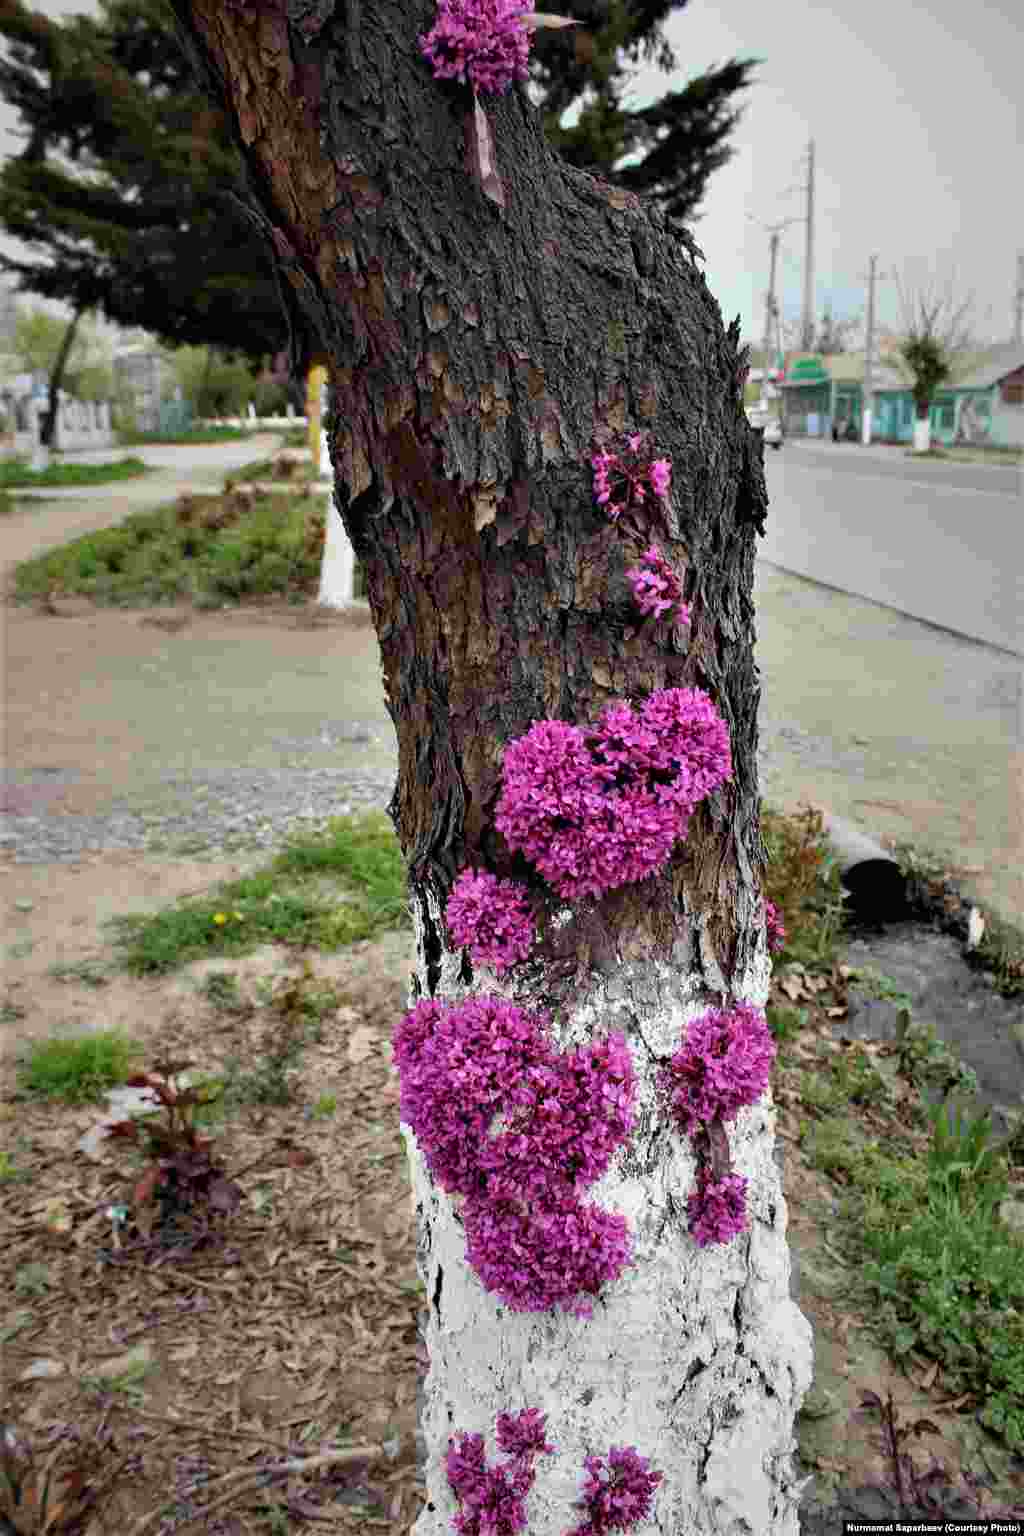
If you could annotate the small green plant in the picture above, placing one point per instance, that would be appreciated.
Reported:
(325, 1106)
(926, 1061)
(77, 1071)
(785, 1023)
(857, 1079)
(221, 989)
(88, 971)
(32, 1280)
(962, 1163)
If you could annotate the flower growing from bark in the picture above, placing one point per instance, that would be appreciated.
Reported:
(630, 471)
(482, 42)
(723, 1064)
(598, 809)
(619, 1496)
(493, 1498)
(491, 918)
(528, 1237)
(717, 1211)
(656, 586)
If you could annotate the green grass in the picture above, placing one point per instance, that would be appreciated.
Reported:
(151, 558)
(77, 1071)
(16, 473)
(281, 904)
(195, 435)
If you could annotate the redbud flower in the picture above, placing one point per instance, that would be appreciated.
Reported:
(491, 918)
(723, 1064)
(717, 1211)
(482, 40)
(656, 586)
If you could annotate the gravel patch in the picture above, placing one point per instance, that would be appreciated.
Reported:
(229, 811)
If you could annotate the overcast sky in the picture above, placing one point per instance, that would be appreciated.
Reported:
(917, 113)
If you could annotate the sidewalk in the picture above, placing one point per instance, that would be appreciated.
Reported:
(893, 452)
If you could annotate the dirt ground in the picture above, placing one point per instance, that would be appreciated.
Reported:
(312, 1308)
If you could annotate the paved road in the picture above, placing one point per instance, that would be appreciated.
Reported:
(942, 543)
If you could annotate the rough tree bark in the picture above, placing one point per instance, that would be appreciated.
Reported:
(477, 356)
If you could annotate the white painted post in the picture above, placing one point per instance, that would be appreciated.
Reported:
(338, 565)
(40, 456)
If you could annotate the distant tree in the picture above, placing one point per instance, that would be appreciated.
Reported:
(160, 232)
(937, 332)
(682, 136)
(831, 336)
(128, 185)
(71, 353)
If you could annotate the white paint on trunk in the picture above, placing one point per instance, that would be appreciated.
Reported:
(697, 1358)
(922, 434)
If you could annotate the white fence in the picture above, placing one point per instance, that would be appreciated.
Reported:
(79, 424)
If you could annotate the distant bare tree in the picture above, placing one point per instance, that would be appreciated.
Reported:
(937, 331)
(832, 335)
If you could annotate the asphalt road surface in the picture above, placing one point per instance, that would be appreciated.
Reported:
(939, 542)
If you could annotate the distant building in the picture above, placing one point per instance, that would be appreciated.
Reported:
(983, 402)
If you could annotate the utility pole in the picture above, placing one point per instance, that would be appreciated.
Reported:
(771, 308)
(868, 394)
(1018, 327)
(808, 319)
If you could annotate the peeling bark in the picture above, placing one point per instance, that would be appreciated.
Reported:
(477, 357)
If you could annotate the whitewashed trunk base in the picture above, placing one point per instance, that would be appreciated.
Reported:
(699, 1359)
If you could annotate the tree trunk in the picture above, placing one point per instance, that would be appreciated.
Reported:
(923, 430)
(478, 356)
(49, 421)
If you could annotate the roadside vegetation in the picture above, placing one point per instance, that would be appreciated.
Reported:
(16, 473)
(209, 550)
(972, 453)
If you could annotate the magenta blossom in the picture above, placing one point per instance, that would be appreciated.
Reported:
(717, 1211)
(601, 808)
(657, 588)
(492, 918)
(482, 41)
(723, 1065)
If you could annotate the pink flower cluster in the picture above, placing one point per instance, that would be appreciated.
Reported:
(631, 470)
(527, 1235)
(656, 587)
(717, 1211)
(493, 1499)
(483, 41)
(491, 918)
(602, 808)
(776, 933)
(723, 1064)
